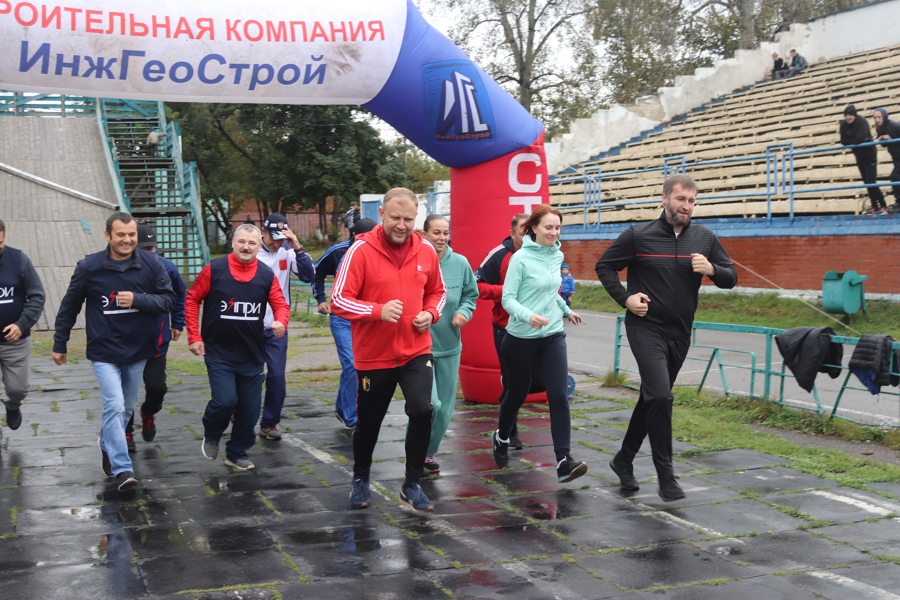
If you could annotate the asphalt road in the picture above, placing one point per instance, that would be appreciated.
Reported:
(592, 350)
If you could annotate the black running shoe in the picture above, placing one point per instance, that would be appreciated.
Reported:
(569, 469)
(148, 427)
(625, 473)
(13, 418)
(669, 490)
(104, 461)
(501, 451)
(514, 442)
(126, 481)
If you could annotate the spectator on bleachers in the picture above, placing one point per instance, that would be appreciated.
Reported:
(798, 64)
(885, 129)
(855, 130)
(778, 65)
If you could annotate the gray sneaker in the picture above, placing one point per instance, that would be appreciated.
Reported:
(241, 464)
(209, 449)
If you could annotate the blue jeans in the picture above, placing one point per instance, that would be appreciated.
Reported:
(119, 385)
(346, 398)
(235, 388)
(276, 384)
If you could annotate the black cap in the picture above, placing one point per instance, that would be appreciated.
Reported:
(274, 223)
(362, 226)
(850, 110)
(146, 237)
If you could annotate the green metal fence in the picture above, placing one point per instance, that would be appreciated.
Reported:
(717, 364)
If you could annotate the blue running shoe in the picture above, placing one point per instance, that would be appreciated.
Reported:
(411, 495)
(360, 496)
(570, 386)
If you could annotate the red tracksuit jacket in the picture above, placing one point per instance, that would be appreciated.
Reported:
(368, 279)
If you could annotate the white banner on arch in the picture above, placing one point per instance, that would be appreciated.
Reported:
(278, 51)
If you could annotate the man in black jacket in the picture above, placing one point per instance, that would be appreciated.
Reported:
(666, 261)
(123, 290)
(886, 129)
(855, 130)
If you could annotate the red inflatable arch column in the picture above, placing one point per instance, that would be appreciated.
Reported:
(483, 200)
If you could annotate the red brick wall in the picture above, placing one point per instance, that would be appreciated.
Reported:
(795, 263)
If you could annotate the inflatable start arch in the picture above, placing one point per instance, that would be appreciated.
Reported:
(380, 54)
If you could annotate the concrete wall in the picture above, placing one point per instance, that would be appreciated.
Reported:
(845, 33)
(795, 263)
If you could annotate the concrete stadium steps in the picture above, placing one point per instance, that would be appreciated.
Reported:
(804, 110)
(153, 187)
(53, 228)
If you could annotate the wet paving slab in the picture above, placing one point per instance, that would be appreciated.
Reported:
(664, 564)
(841, 505)
(770, 481)
(879, 537)
(876, 581)
(740, 517)
(785, 551)
(750, 526)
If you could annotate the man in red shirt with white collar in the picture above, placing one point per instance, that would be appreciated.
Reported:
(234, 291)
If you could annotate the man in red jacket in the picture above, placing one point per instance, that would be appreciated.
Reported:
(233, 291)
(389, 287)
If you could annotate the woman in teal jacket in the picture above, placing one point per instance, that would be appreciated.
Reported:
(535, 335)
(462, 291)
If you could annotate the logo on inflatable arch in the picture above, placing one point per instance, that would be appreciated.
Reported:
(457, 103)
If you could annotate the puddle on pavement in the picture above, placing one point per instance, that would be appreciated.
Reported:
(83, 513)
(112, 548)
(347, 540)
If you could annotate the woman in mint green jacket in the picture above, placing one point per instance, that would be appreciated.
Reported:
(462, 291)
(535, 335)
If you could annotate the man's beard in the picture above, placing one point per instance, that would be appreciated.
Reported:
(677, 219)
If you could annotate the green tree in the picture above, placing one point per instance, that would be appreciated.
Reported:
(539, 50)
(647, 43)
(283, 157)
(411, 168)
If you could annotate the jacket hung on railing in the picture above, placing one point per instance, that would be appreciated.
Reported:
(874, 363)
(808, 351)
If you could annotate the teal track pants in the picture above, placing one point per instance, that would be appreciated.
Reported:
(443, 398)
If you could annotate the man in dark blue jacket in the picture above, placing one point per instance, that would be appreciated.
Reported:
(124, 290)
(168, 328)
(345, 406)
(21, 304)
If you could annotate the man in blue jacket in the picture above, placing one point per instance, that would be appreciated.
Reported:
(123, 290)
(168, 328)
(345, 406)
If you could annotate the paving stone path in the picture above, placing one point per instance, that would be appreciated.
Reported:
(751, 526)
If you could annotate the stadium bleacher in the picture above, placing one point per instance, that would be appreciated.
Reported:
(804, 110)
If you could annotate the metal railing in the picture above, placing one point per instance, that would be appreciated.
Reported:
(19, 104)
(715, 362)
(778, 164)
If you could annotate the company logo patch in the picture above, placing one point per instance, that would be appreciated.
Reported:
(240, 311)
(111, 304)
(6, 294)
(456, 102)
